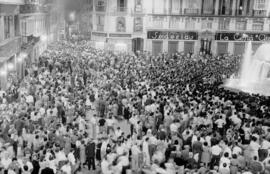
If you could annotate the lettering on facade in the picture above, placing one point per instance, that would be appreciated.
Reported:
(242, 36)
(99, 34)
(172, 35)
(119, 35)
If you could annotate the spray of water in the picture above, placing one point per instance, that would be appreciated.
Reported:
(254, 73)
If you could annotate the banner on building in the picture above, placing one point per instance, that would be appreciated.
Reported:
(172, 35)
(236, 36)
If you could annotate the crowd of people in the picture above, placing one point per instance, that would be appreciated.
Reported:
(79, 108)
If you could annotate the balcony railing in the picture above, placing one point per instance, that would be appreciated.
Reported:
(30, 8)
(101, 8)
(121, 9)
(225, 12)
(100, 27)
(259, 13)
(191, 11)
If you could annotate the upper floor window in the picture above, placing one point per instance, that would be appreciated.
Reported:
(138, 24)
(175, 6)
(241, 24)
(224, 24)
(207, 23)
(242, 7)
(257, 25)
(190, 23)
(100, 22)
(121, 24)
(192, 7)
(122, 5)
(100, 5)
(225, 7)
(158, 21)
(159, 6)
(138, 6)
(208, 6)
(8, 20)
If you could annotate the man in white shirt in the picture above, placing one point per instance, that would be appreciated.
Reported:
(216, 151)
(105, 166)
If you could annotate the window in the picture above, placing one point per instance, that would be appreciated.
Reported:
(121, 24)
(225, 7)
(174, 22)
(241, 24)
(100, 6)
(260, 8)
(138, 24)
(257, 25)
(138, 6)
(192, 7)
(176, 6)
(242, 7)
(207, 23)
(190, 23)
(224, 24)
(100, 23)
(122, 5)
(158, 6)
(8, 20)
(259, 5)
(158, 21)
(208, 6)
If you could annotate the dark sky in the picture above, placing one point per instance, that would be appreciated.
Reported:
(71, 6)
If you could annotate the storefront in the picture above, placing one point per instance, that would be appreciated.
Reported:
(99, 39)
(8, 56)
(235, 42)
(171, 41)
(120, 42)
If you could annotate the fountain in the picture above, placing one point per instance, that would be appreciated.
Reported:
(254, 76)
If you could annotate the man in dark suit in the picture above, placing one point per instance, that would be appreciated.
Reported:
(90, 154)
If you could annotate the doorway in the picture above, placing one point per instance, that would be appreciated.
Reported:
(172, 47)
(206, 46)
(157, 47)
(137, 44)
(189, 47)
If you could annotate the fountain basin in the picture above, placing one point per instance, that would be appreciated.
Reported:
(261, 87)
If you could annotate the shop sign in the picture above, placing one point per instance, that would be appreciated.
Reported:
(172, 35)
(242, 36)
(119, 35)
(99, 34)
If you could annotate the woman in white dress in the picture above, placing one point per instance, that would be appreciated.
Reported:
(146, 154)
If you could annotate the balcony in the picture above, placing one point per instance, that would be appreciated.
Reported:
(175, 12)
(121, 9)
(31, 8)
(100, 8)
(100, 27)
(259, 13)
(225, 12)
(191, 11)
(12, 2)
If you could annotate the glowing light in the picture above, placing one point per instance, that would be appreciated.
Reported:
(10, 66)
(122, 47)
(100, 45)
(21, 57)
(72, 16)
(3, 72)
(43, 38)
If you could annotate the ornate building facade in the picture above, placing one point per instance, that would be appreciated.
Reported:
(216, 26)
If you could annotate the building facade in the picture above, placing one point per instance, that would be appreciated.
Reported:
(10, 40)
(26, 27)
(216, 26)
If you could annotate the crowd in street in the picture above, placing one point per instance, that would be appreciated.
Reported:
(79, 108)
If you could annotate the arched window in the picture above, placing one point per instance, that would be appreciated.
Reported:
(121, 24)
